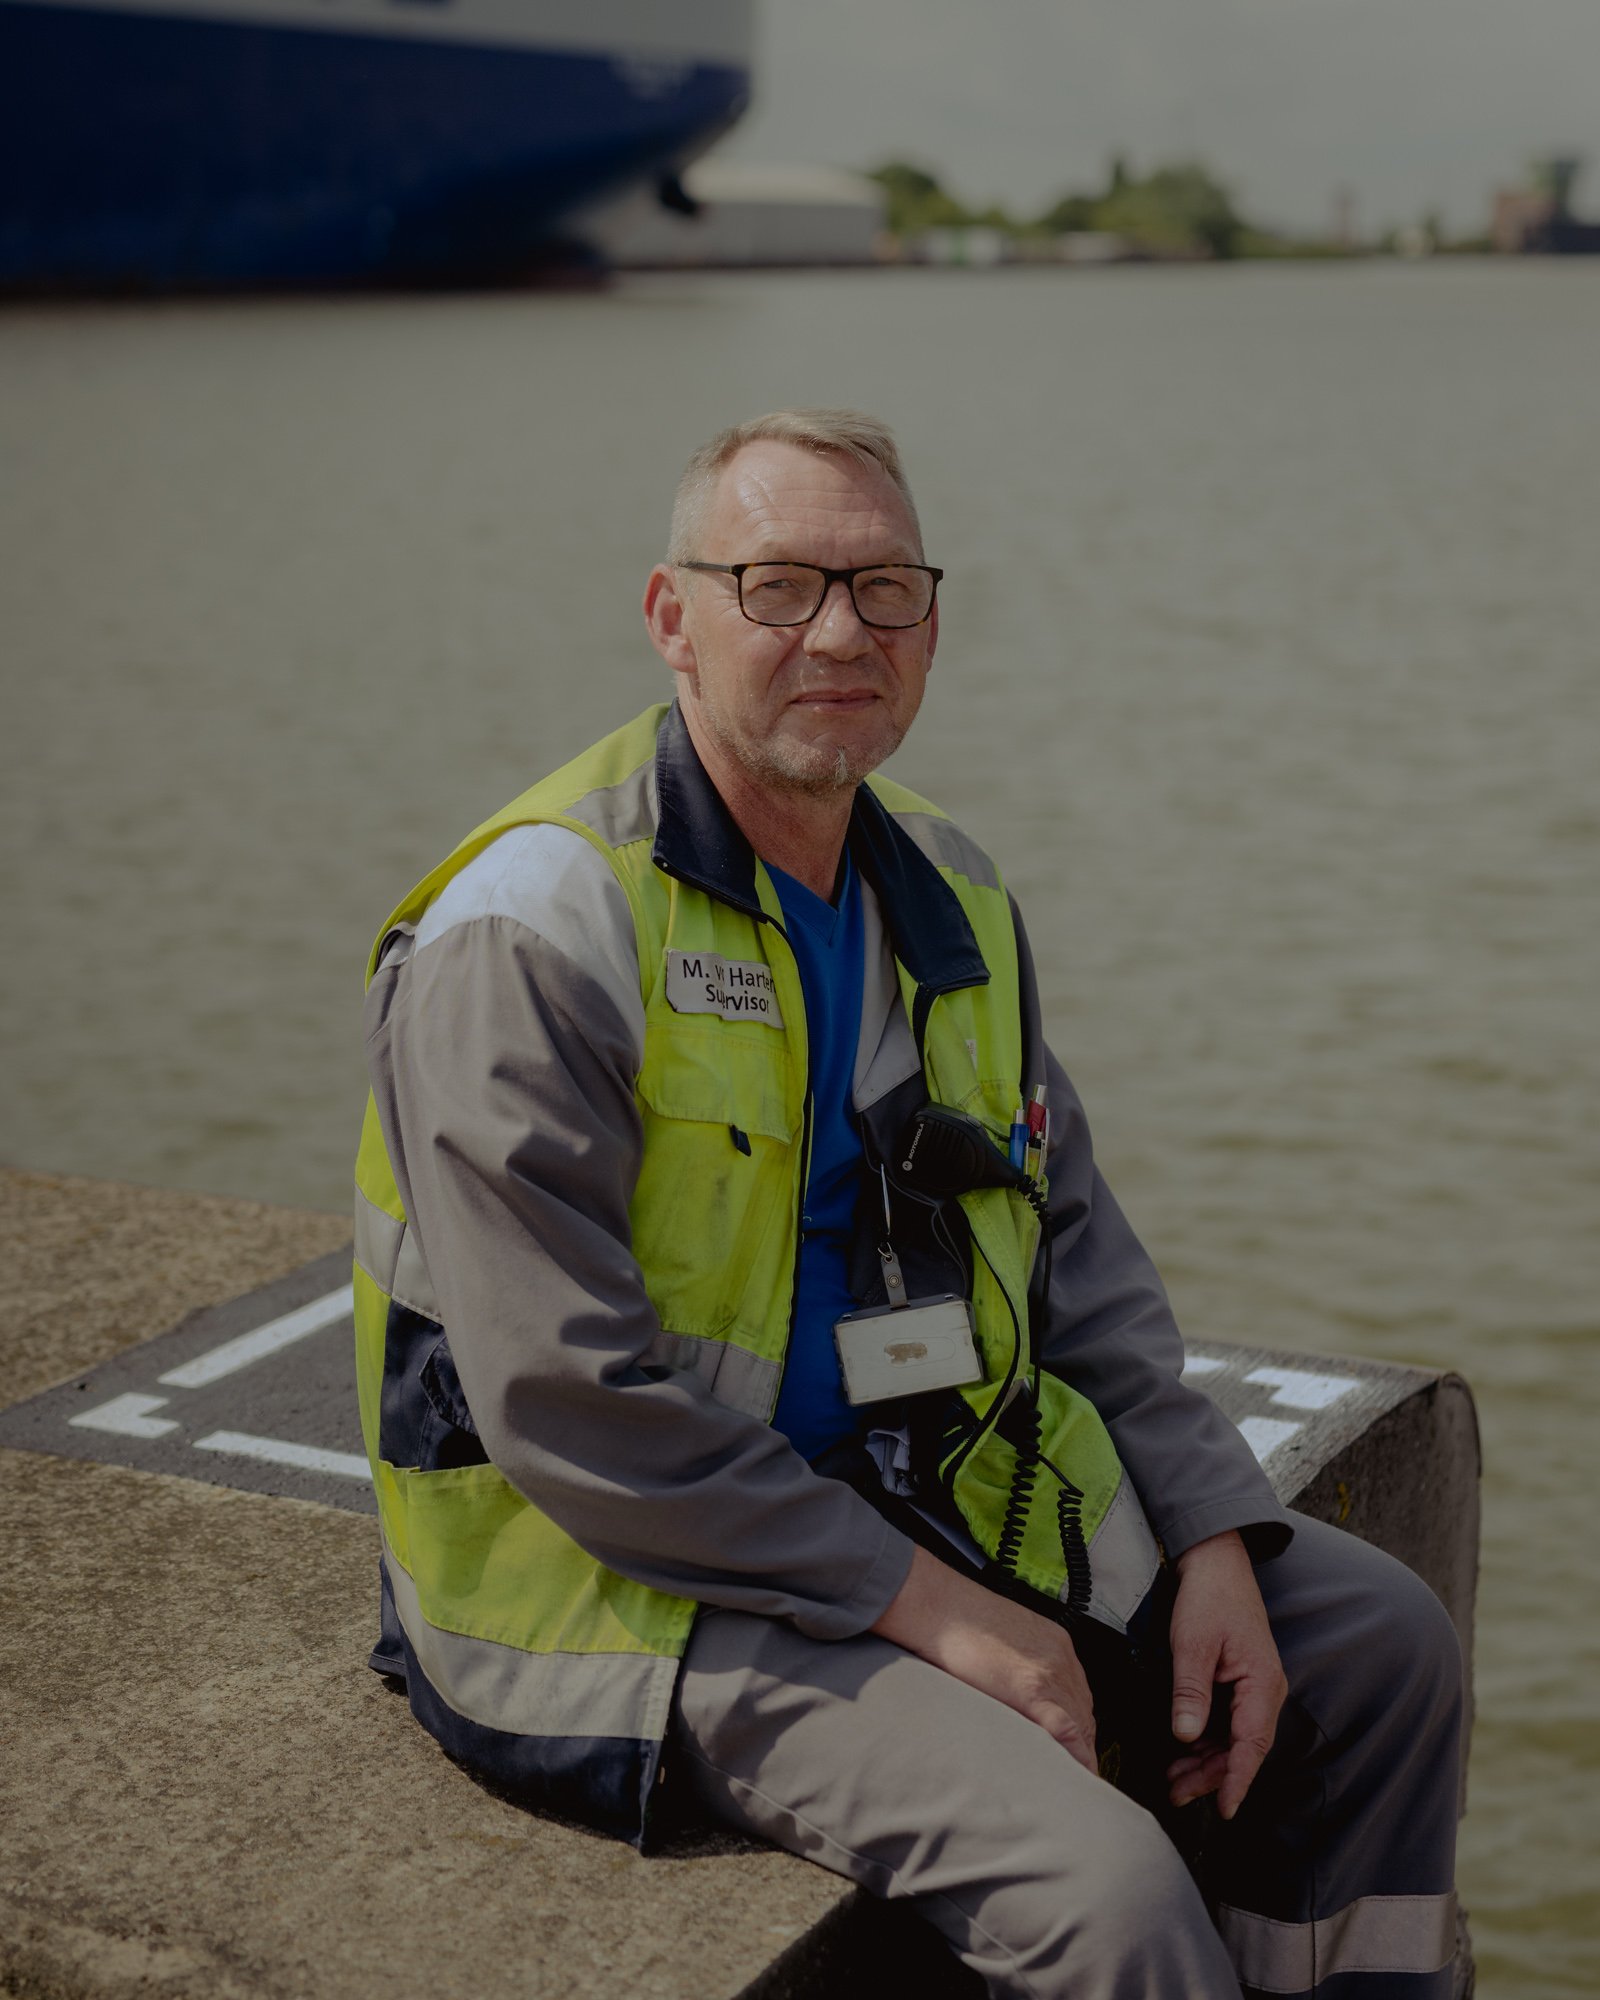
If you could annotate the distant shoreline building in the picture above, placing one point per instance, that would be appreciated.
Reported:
(1536, 219)
(739, 214)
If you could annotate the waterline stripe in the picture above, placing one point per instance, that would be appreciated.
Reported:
(236, 1354)
(278, 1451)
(643, 31)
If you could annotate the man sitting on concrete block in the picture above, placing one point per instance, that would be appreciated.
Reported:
(773, 1416)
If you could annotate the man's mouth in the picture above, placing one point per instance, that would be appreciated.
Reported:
(837, 700)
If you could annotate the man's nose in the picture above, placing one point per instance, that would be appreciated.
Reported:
(836, 629)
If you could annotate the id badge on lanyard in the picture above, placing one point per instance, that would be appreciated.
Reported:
(909, 1345)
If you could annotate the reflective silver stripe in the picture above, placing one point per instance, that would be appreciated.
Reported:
(1375, 1934)
(946, 845)
(557, 884)
(537, 1694)
(737, 1378)
(623, 812)
(387, 1251)
(378, 1237)
(886, 1053)
(412, 1286)
(1123, 1559)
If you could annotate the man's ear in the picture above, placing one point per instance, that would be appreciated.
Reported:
(664, 620)
(933, 631)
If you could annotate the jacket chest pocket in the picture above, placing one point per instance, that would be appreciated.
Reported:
(714, 1213)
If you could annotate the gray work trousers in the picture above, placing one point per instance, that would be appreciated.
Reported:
(1335, 1878)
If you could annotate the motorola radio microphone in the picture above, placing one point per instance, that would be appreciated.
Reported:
(944, 1152)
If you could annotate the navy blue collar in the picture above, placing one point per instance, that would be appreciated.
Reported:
(698, 842)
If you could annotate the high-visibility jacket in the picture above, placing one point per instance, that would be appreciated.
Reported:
(523, 1654)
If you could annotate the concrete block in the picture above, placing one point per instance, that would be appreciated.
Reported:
(205, 1793)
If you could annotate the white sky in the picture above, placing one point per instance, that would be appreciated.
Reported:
(1411, 104)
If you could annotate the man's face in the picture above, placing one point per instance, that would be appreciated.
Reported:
(811, 707)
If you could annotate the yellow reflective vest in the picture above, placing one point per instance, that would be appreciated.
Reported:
(525, 1656)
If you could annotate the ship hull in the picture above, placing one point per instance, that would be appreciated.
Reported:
(187, 150)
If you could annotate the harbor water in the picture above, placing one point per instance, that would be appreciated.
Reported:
(1268, 671)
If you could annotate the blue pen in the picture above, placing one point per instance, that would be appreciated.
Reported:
(1019, 1137)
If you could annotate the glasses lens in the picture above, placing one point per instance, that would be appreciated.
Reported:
(780, 593)
(893, 595)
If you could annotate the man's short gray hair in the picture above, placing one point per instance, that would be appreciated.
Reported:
(830, 433)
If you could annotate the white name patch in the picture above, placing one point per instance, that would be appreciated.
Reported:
(703, 982)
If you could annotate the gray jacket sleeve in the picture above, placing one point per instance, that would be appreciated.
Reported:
(1111, 1334)
(503, 1041)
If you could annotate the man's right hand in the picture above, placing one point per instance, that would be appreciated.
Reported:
(1001, 1648)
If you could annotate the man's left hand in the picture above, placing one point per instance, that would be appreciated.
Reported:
(1221, 1638)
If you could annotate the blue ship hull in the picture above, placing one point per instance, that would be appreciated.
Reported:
(175, 151)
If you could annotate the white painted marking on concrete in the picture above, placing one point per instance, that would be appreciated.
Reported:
(127, 1416)
(1265, 1434)
(1202, 1364)
(278, 1451)
(1296, 1389)
(233, 1355)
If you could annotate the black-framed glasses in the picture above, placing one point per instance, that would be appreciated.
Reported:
(888, 595)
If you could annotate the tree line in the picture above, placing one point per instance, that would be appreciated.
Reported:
(1177, 210)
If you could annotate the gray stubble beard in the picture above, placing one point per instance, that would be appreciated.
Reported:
(808, 775)
(800, 770)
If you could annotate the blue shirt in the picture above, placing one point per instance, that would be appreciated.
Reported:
(830, 945)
